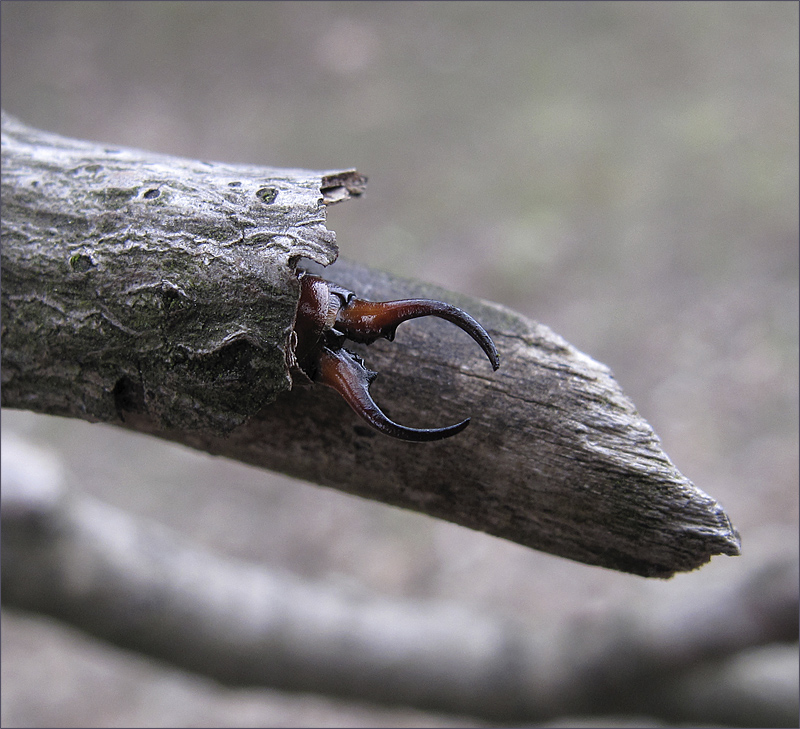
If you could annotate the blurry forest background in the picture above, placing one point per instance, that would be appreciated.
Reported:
(626, 173)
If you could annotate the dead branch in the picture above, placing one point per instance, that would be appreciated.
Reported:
(159, 294)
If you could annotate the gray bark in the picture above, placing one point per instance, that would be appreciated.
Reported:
(185, 337)
(133, 280)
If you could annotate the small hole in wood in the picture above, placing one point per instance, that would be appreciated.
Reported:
(267, 195)
(81, 263)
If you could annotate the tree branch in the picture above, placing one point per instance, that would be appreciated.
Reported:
(138, 585)
(188, 341)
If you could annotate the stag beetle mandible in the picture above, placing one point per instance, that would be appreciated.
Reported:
(327, 315)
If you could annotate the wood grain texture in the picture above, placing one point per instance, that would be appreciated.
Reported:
(555, 458)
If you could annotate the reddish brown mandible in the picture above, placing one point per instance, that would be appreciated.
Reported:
(328, 315)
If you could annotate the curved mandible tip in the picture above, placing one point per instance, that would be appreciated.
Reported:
(344, 373)
(366, 321)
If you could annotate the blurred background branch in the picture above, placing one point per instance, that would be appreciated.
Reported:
(138, 585)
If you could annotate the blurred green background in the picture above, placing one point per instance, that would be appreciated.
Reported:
(626, 173)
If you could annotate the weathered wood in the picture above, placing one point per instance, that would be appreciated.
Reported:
(556, 457)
